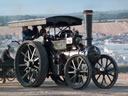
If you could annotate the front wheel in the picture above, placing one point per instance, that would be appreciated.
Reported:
(78, 72)
(105, 72)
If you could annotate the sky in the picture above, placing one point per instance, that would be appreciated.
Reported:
(39, 7)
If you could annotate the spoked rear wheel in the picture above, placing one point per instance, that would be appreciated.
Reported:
(31, 64)
(78, 72)
(105, 72)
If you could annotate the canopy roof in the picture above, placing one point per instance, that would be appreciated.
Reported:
(59, 21)
(55, 21)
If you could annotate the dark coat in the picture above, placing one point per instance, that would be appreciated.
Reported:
(27, 35)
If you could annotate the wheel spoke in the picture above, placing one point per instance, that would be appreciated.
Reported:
(28, 77)
(25, 74)
(84, 71)
(105, 81)
(73, 64)
(33, 53)
(31, 77)
(80, 64)
(102, 64)
(36, 67)
(77, 59)
(24, 55)
(28, 55)
(98, 77)
(108, 65)
(29, 49)
(72, 67)
(36, 59)
(101, 61)
(109, 78)
(99, 64)
(22, 65)
(26, 68)
(71, 72)
(110, 74)
(25, 60)
(30, 74)
(72, 77)
(102, 80)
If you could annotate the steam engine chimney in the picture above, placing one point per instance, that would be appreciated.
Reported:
(88, 26)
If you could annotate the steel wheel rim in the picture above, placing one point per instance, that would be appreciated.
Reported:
(29, 64)
(11, 79)
(77, 71)
(105, 71)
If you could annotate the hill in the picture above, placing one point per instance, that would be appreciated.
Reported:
(99, 16)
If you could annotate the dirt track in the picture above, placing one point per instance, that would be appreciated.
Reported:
(49, 88)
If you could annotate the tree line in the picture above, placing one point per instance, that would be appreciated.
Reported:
(5, 19)
(96, 16)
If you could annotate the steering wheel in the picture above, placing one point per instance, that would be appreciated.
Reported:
(62, 34)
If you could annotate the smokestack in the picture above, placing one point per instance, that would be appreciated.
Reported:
(88, 26)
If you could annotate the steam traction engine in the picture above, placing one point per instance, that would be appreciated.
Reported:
(62, 56)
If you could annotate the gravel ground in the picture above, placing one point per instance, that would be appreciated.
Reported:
(49, 88)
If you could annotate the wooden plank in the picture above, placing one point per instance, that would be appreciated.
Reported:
(30, 22)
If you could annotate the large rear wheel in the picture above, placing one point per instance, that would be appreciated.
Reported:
(78, 72)
(31, 64)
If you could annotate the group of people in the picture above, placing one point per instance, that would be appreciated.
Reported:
(29, 34)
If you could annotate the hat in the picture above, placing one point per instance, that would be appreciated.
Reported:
(8, 46)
